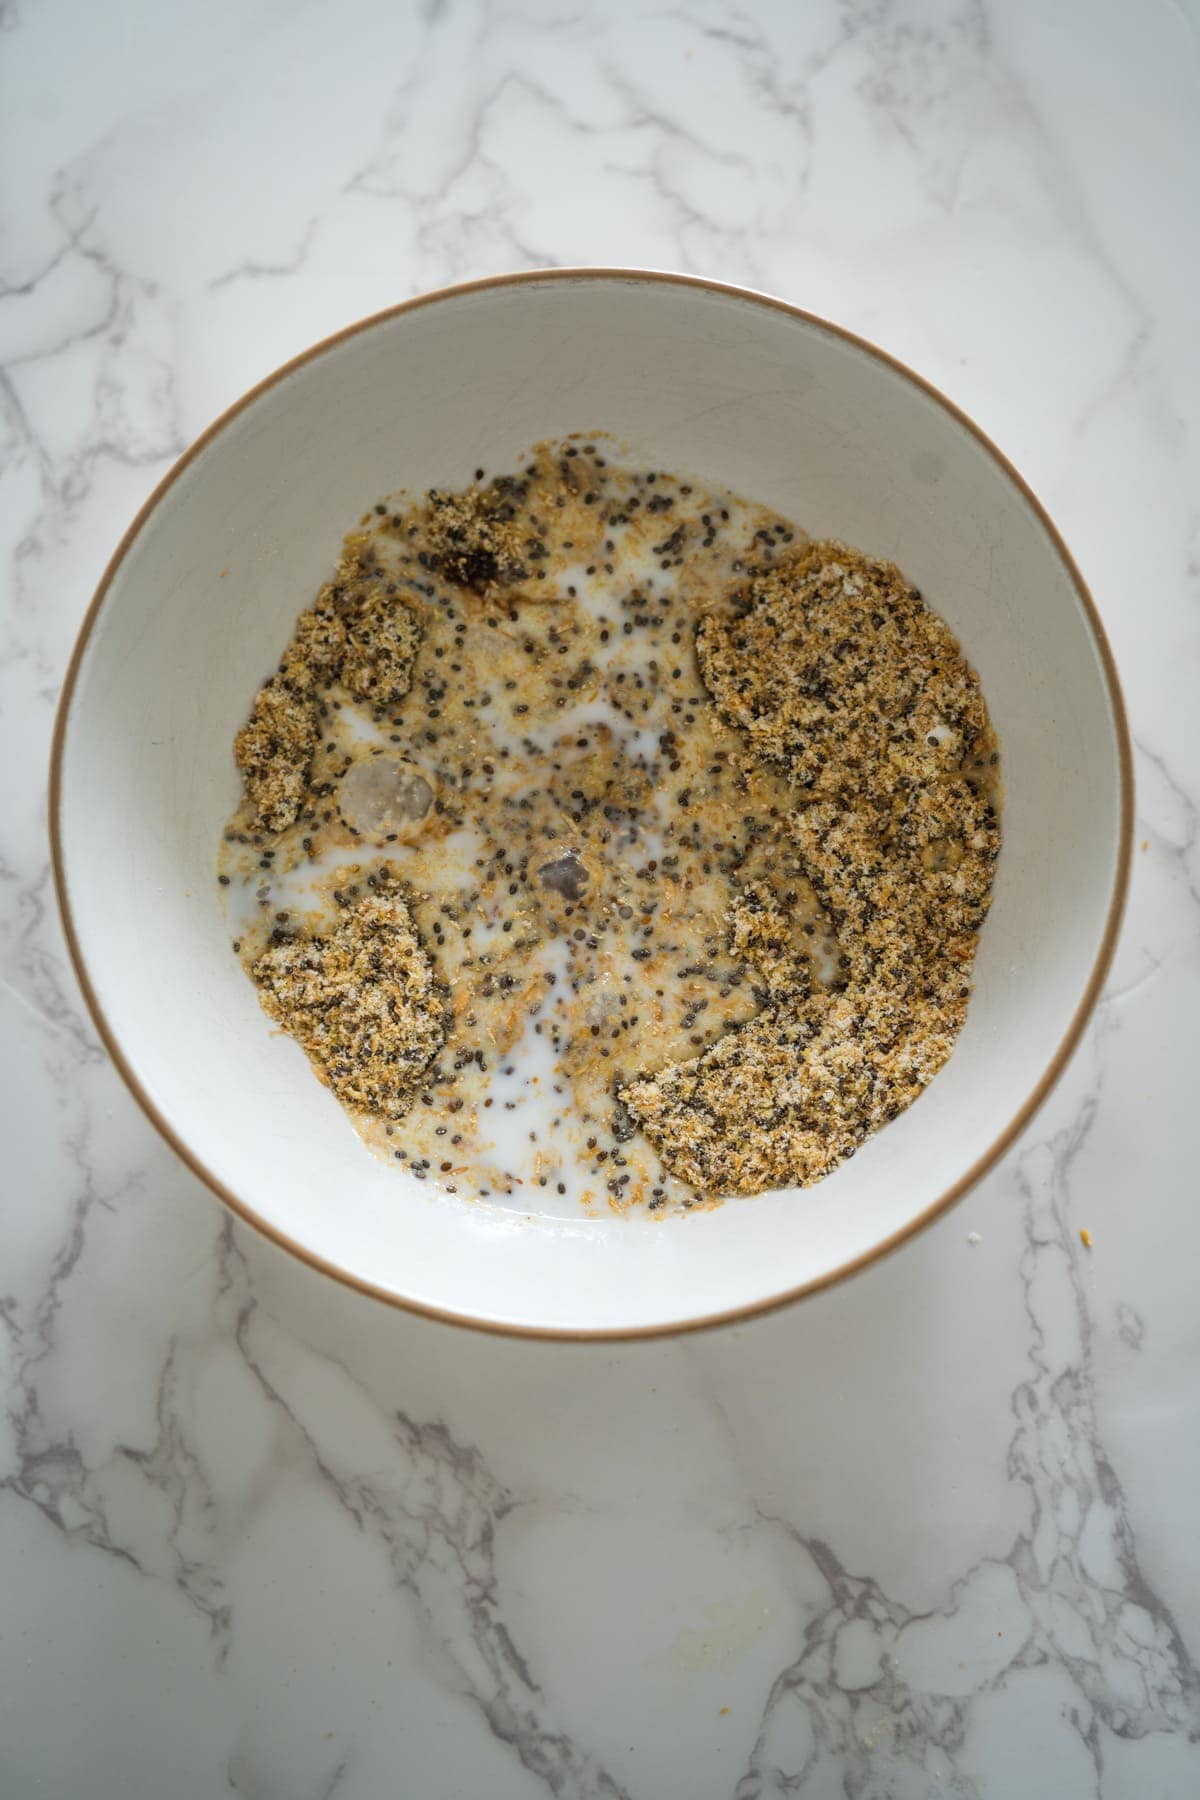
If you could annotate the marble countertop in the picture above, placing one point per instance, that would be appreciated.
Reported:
(932, 1533)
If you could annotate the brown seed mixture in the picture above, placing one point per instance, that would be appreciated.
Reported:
(476, 540)
(362, 1001)
(842, 677)
(693, 820)
(362, 632)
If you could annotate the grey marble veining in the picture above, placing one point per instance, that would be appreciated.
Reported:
(932, 1533)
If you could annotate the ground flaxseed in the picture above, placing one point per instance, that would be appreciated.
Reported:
(360, 632)
(361, 1000)
(608, 840)
(840, 676)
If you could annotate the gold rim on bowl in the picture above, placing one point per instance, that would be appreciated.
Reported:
(1116, 906)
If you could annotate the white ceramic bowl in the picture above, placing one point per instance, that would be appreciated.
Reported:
(201, 597)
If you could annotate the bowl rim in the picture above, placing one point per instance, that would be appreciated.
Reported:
(769, 1303)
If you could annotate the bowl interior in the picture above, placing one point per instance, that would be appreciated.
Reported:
(203, 597)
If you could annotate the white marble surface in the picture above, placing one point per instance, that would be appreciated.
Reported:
(934, 1533)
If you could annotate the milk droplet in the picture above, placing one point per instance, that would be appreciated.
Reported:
(384, 794)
